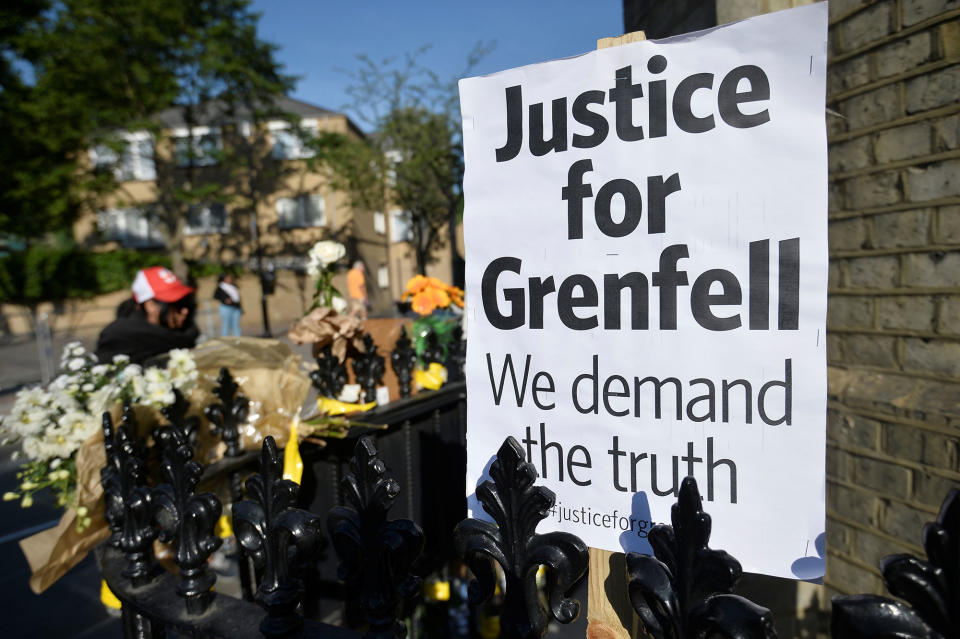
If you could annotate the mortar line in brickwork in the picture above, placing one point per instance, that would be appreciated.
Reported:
(886, 292)
(920, 508)
(840, 254)
(880, 332)
(876, 532)
(893, 124)
(893, 79)
(881, 456)
(949, 379)
(930, 158)
(936, 429)
(900, 250)
(903, 33)
(846, 214)
(912, 546)
(837, 19)
(854, 561)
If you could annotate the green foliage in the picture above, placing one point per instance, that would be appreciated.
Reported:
(440, 323)
(414, 158)
(44, 273)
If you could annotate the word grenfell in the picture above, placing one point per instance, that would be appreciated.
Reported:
(577, 298)
(740, 86)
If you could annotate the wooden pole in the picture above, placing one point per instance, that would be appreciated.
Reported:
(609, 613)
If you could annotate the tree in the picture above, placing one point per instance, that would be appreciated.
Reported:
(77, 73)
(414, 157)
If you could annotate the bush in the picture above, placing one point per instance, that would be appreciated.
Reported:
(44, 273)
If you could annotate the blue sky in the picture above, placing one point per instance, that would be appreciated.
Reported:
(318, 36)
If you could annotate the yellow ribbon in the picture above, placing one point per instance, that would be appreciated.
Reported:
(432, 378)
(292, 462)
(224, 527)
(107, 598)
(329, 406)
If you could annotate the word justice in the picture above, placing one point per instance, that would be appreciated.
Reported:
(738, 87)
(577, 298)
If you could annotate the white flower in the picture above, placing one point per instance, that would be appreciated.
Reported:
(100, 370)
(158, 388)
(120, 360)
(327, 252)
(339, 304)
(102, 399)
(182, 370)
(75, 364)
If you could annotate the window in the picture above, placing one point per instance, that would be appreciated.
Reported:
(383, 276)
(134, 163)
(379, 223)
(400, 226)
(204, 150)
(303, 210)
(289, 143)
(132, 226)
(203, 219)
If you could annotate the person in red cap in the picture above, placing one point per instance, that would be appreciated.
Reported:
(157, 319)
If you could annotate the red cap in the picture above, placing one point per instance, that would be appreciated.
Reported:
(158, 283)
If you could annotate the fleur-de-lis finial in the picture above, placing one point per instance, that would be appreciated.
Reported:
(456, 354)
(684, 590)
(930, 589)
(375, 554)
(331, 374)
(187, 519)
(518, 506)
(368, 368)
(127, 498)
(432, 351)
(176, 415)
(277, 536)
(226, 416)
(404, 360)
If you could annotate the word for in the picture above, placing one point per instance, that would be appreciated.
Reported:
(624, 94)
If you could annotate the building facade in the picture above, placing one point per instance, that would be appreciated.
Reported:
(253, 188)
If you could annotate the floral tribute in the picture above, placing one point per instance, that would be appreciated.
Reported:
(321, 266)
(428, 294)
(52, 423)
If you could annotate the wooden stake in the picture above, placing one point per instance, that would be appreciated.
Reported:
(609, 613)
(626, 38)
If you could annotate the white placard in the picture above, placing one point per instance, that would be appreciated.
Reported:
(646, 246)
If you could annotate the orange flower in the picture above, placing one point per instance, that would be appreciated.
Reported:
(416, 284)
(429, 294)
(430, 299)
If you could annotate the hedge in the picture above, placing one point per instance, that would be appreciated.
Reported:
(44, 273)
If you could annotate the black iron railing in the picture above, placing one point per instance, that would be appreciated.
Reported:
(345, 543)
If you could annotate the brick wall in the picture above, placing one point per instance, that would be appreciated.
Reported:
(893, 98)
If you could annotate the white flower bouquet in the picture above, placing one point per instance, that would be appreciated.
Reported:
(322, 258)
(52, 423)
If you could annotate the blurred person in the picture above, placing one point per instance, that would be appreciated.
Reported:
(157, 318)
(228, 295)
(357, 290)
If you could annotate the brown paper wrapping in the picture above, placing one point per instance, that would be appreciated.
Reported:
(53, 552)
(323, 326)
(268, 374)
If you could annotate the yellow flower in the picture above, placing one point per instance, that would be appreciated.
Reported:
(10, 496)
(27, 502)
